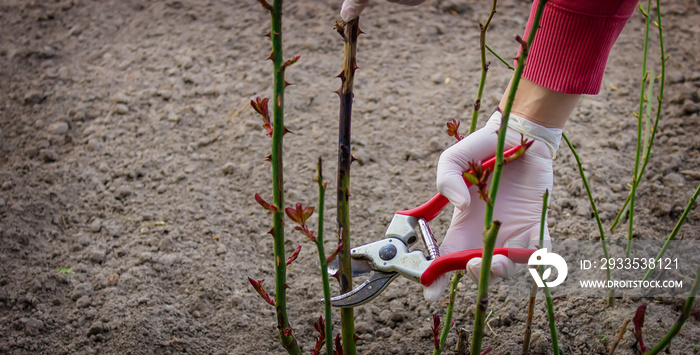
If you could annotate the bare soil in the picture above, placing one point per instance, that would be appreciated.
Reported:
(130, 155)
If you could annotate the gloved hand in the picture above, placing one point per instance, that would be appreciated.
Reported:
(518, 204)
(352, 8)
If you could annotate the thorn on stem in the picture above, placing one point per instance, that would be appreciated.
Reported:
(265, 5)
(522, 42)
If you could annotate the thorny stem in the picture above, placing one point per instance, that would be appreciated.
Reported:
(675, 230)
(490, 237)
(347, 318)
(484, 68)
(448, 314)
(601, 230)
(482, 297)
(322, 259)
(498, 168)
(635, 176)
(548, 296)
(287, 337)
(619, 338)
(550, 317)
(659, 98)
(533, 290)
(676, 328)
(528, 321)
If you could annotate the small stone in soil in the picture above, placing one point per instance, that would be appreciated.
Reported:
(83, 302)
(48, 155)
(96, 328)
(32, 326)
(228, 169)
(34, 97)
(59, 128)
(97, 256)
(121, 109)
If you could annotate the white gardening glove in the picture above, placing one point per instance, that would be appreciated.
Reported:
(352, 8)
(518, 204)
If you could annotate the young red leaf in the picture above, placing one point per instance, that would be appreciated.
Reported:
(268, 128)
(638, 322)
(320, 342)
(335, 253)
(524, 146)
(265, 205)
(436, 331)
(338, 346)
(299, 214)
(320, 326)
(453, 129)
(260, 106)
(287, 332)
(294, 255)
(486, 351)
(257, 285)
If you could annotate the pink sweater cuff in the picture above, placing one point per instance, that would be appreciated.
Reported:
(571, 47)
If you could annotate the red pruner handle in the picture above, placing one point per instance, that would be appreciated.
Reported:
(435, 205)
(459, 260)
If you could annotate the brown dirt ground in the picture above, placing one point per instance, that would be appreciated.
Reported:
(129, 154)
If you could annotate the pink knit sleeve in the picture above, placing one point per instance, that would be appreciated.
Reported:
(571, 47)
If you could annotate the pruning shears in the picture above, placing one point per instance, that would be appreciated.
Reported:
(390, 257)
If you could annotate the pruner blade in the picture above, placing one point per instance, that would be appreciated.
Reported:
(358, 267)
(366, 292)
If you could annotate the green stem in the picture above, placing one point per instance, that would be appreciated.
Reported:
(552, 321)
(499, 57)
(548, 296)
(673, 234)
(347, 316)
(289, 341)
(601, 230)
(482, 298)
(498, 168)
(450, 309)
(676, 328)
(656, 120)
(635, 176)
(322, 259)
(490, 236)
(484, 68)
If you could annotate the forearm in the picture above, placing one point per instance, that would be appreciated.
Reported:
(540, 105)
